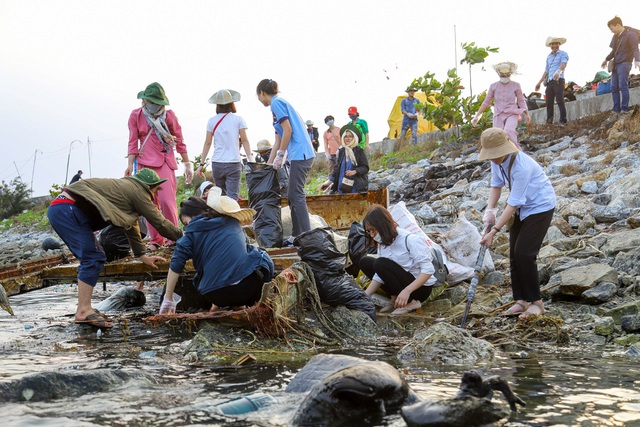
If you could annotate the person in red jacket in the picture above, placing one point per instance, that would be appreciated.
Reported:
(154, 134)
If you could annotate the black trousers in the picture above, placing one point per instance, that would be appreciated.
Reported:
(525, 240)
(247, 292)
(555, 91)
(395, 278)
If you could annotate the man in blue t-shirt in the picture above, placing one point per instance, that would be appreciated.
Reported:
(410, 119)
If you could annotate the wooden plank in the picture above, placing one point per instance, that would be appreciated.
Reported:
(340, 210)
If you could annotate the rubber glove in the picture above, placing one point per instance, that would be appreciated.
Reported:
(489, 217)
(556, 75)
(169, 307)
(279, 160)
(188, 173)
(474, 122)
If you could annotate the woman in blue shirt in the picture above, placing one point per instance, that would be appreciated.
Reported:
(229, 271)
(531, 203)
(293, 139)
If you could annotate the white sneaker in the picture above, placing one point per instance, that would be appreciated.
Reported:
(413, 305)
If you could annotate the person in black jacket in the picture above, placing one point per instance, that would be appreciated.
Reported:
(313, 134)
(350, 174)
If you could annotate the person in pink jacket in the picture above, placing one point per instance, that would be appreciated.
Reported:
(509, 104)
(154, 134)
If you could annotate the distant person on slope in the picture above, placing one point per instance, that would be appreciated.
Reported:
(553, 78)
(362, 124)
(76, 177)
(410, 116)
(509, 103)
(624, 49)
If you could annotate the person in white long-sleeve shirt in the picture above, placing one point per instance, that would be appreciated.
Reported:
(403, 267)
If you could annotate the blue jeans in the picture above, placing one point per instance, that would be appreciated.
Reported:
(413, 124)
(72, 225)
(620, 86)
(227, 177)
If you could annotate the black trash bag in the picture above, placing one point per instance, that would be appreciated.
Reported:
(357, 248)
(335, 286)
(114, 242)
(264, 197)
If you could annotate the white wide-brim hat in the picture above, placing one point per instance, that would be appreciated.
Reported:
(224, 97)
(506, 68)
(225, 205)
(550, 40)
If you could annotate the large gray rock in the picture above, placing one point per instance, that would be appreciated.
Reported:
(622, 241)
(576, 280)
(446, 344)
(601, 293)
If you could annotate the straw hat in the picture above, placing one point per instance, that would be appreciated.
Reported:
(224, 97)
(263, 145)
(225, 205)
(495, 143)
(506, 68)
(550, 40)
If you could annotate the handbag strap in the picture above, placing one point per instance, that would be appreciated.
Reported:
(219, 121)
(508, 176)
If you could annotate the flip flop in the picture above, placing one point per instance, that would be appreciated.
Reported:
(96, 320)
(528, 313)
(99, 313)
(509, 313)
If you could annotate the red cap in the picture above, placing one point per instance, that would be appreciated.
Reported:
(352, 110)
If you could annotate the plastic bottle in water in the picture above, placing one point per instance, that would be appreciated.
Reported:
(245, 404)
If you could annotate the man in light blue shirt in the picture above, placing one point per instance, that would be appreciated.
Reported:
(410, 119)
(553, 78)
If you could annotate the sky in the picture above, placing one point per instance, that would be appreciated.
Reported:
(70, 70)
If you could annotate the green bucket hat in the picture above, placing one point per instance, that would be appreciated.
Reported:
(353, 128)
(149, 177)
(154, 93)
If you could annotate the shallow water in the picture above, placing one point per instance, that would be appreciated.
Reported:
(582, 390)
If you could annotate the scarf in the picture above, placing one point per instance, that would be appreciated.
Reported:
(348, 149)
(158, 122)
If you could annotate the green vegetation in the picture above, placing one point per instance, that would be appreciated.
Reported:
(34, 219)
(14, 198)
(445, 106)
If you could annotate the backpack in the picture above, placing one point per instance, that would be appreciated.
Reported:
(636, 31)
(440, 267)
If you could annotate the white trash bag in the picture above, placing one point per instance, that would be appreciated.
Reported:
(462, 243)
(406, 220)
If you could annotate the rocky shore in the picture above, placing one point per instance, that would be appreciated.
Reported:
(589, 264)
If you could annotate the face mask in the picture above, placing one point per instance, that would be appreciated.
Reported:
(377, 238)
(353, 116)
(330, 123)
(504, 79)
(152, 108)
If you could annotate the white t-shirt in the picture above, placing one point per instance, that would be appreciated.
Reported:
(226, 140)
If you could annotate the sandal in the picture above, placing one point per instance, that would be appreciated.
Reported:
(530, 313)
(517, 312)
(95, 319)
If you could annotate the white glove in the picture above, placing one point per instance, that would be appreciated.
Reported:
(188, 173)
(489, 217)
(556, 75)
(279, 160)
(169, 307)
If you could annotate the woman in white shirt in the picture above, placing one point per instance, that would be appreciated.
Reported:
(403, 267)
(227, 130)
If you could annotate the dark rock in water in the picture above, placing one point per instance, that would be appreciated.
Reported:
(630, 323)
(45, 386)
(318, 368)
(367, 390)
(50, 244)
(123, 299)
(470, 407)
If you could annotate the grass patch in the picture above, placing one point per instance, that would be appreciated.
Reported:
(403, 152)
(34, 219)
